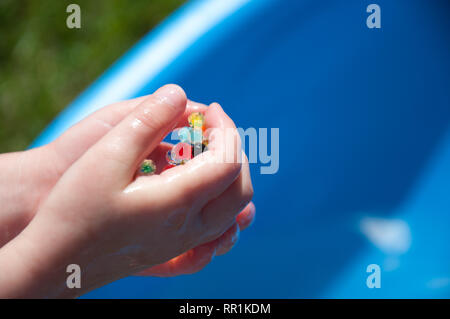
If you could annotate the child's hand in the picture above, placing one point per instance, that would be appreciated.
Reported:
(99, 217)
(29, 176)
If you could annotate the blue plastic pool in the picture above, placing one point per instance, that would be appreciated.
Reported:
(364, 115)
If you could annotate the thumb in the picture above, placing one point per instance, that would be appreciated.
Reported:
(123, 148)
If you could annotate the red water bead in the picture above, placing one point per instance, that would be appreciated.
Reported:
(182, 151)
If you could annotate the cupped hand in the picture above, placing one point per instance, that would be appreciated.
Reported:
(112, 225)
(36, 171)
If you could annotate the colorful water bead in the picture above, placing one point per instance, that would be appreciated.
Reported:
(197, 149)
(192, 141)
(171, 159)
(196, 120)
(147, 167)
(185, 134)
(180, 154)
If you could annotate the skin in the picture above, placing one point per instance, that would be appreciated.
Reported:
(67, 207)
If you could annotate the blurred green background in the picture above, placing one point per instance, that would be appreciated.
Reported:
(44, 65)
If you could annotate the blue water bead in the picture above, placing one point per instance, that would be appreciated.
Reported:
(185, 134)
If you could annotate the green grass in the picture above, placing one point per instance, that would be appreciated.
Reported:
(44, 65)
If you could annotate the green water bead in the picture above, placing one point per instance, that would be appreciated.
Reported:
(148, 167)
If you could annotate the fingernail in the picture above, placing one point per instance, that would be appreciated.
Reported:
(171, 94)
(252, 214)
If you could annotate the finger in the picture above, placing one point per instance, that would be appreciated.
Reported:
(197, 258)
(77, 139)
(189, 262)
(128, 143)
(200, 258)
(246, 217)
(222, 211)
(229, 238)
(227, 241)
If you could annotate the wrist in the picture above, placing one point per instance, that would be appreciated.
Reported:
(32, 267)
(35, 264)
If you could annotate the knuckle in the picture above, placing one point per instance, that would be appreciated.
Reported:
(232, 169)
(177, 219)
(208, 228)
